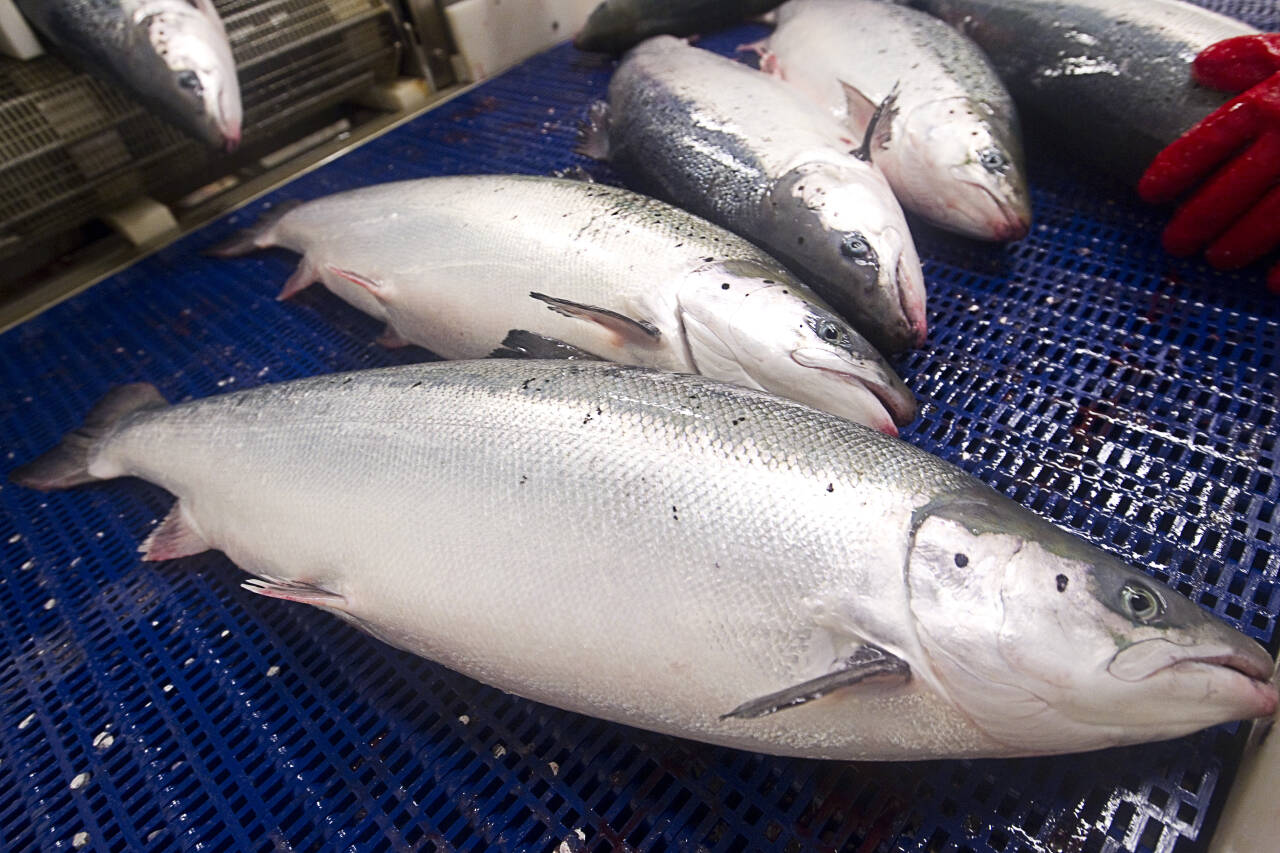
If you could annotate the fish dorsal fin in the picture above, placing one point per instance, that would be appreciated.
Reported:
(173, 538)
(879, 122)
(520, 343)
(867, 663)
(860, 107)
(628, 329)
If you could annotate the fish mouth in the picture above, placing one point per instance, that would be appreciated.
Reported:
(1249, 672)
(1011, 224)
(1259, 693)
(898, 408)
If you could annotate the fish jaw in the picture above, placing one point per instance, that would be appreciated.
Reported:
(878, 398)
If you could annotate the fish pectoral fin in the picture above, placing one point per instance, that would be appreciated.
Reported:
(378, 289)
(520, 343)
(868, 663)
(173, 538)
(879, 125)
(300, 591)
(628, 329)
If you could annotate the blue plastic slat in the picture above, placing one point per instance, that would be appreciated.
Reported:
(1127, 396)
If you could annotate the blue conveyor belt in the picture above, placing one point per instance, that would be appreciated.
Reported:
(1127, 396)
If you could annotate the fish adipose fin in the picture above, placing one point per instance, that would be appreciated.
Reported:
(628, 329)
(879, 118)
(173, 538)
(523, 344)
(868, 662)
(300, 591)
(593, 136)
(68, 464)
(251, 239)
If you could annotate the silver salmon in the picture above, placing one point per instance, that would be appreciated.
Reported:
(742, 149)
(511, 265)
(1114, 76)
(172, 55)
(949, 142)
(678, 554)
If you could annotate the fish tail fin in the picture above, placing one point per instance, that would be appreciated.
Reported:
(67, 464)
(593, 136)
(255, 237)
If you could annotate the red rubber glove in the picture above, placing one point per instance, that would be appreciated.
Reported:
(1237, 211)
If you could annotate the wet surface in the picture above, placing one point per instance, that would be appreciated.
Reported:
(1127, 397)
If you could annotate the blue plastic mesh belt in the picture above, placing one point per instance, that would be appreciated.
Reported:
(1124, 395)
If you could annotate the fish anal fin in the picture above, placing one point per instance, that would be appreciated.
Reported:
(868, 664)
(391, 339)
(378, 289)
(627, 329)
(302, 278)
(520, 343)
(174, 537)
(299, 591)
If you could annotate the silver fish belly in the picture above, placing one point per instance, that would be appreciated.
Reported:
(1113, 75)
(480, 265)
(677, 554)
(949, 143)
(172, 55)
(741, 149)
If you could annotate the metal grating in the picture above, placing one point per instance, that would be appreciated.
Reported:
(72, 147)
(1127, 396)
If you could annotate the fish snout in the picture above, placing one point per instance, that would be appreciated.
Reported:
(1232, 671)
(880, 399)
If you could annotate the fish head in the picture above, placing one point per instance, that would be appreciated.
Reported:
(1049, 644)
(199, 84)
(840, 227)
(963, 159)
(754, 325)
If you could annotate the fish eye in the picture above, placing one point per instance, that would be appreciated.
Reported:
(993, 160)
(855, 246)
(190, 81)
(829, 332)
(1140, 603)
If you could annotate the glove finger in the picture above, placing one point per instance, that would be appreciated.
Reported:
(1239, 63)
(1250, 238)
(1225, 197)
(1199, 151)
